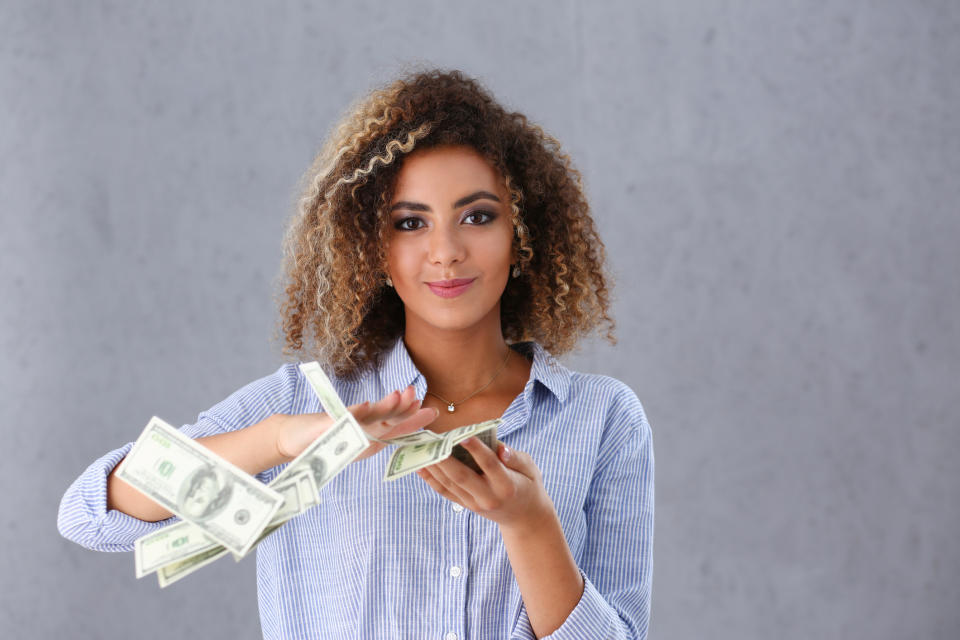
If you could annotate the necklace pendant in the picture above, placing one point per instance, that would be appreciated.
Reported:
(450, 407)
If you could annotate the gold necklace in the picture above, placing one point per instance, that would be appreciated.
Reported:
(451, 405)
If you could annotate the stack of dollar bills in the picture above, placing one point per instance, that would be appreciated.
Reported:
(223, 509)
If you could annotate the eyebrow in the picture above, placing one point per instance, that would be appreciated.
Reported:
(419, 206)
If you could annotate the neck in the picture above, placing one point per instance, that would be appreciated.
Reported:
(456, 363)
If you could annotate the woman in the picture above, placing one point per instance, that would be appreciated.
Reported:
(442, 250)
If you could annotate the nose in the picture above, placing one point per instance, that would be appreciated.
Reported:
(445, 246)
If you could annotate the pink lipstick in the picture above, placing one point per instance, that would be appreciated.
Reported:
(450, 288)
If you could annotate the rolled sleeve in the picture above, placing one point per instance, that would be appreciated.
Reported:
(589, 619)
(84, 518)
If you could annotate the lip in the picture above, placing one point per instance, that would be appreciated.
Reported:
(450, 288)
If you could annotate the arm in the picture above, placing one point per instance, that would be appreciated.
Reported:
(101, 512)
(549, 580)
(86, 515)
(617, 565)
(617, 559)
(253, 449)
(278, 439)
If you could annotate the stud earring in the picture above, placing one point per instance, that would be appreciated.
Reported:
(389, 282)
(516, 271)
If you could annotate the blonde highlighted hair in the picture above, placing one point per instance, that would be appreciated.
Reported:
(334, 304)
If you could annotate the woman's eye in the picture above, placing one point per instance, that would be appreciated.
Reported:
(488, 215)
(401, 224)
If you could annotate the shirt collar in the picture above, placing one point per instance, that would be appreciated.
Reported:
(398, 369)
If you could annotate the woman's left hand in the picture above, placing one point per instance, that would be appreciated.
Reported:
(510, 492)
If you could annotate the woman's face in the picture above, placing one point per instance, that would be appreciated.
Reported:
(449, 220)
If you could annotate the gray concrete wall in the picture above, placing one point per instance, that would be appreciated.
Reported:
(777, 184)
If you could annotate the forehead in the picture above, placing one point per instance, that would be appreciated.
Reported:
(444, 170)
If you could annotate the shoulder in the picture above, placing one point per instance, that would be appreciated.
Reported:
(270, 394)
(606, 390)
(612, 398)
(625, 439)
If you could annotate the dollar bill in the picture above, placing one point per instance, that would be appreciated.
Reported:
(300, 494)
(170, 573)
(486, 436)
(322, 386)
(188, 479)
(330, 453)
(171, 543)
(417, 437)
(331, 402)
(409, 458)
(309, 492)
(412, 456)
(181, 540)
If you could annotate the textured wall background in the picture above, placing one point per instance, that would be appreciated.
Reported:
(778, 187)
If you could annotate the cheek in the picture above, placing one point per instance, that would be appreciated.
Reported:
(496, 250)
(401, 258)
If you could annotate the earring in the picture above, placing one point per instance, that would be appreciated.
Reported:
(389, 282)
(516, 271)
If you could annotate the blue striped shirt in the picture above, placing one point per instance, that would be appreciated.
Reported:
(397, 560)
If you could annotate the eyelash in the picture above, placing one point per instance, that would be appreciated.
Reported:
(490, 215)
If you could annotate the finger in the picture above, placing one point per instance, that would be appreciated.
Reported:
(418, 420)
(493, 468)
(401, 413)
(463, 481)
(438, 486)
(447, 488)
(409, 404)
(406, 398)
(384, 406)
(360, 411)
(368, 411)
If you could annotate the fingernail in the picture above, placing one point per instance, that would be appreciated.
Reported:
(506, 453)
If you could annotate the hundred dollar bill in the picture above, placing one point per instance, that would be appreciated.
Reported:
(190, 480)
(487, 436)
(413, 456)
(330, 453)
(329, 399)
(322, 386)
(182, 540)
(417, 437)
(299, 493)
(173, 542)
(170, 573)
(309, 492)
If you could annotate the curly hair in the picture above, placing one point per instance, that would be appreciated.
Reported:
(335, 305)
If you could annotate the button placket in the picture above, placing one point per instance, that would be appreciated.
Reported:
(457, 526)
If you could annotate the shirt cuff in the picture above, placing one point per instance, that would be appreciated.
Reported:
(85, 519)
(589, 619)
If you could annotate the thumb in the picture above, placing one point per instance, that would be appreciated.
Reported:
(511, 458)
(519, 461)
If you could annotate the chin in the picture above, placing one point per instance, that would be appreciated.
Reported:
(451, 319)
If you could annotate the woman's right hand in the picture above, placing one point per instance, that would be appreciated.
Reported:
(394, 415)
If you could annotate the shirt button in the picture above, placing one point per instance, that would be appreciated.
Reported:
(450, 636)
(458, 508)
(455, 572)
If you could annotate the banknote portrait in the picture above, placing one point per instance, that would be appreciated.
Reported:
(204, 494)
(319, 469)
